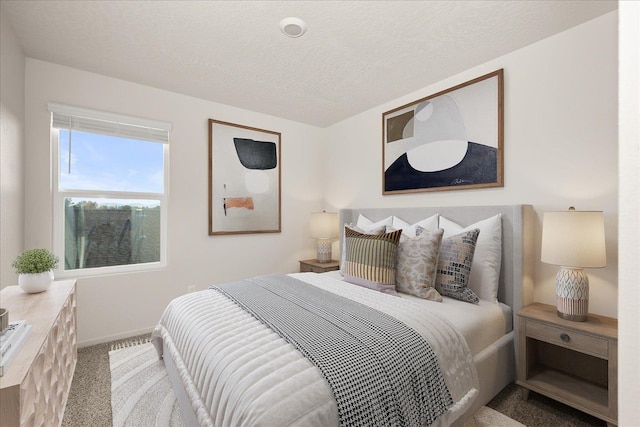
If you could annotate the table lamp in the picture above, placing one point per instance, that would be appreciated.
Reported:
(573, 240)
(324, 227)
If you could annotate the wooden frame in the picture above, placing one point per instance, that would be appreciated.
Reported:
(451, 140)
(244, 179)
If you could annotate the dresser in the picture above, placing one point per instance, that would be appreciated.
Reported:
(34, 390)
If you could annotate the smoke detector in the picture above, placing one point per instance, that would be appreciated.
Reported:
(293, 27)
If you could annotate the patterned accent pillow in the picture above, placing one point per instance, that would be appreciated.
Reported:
(373, 229)
(454, 266)
(418, 262)
(370, 260)
(485, 269)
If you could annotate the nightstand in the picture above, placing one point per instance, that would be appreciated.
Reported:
(575, 363)
(312, 265)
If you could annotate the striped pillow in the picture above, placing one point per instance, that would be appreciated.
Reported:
(374, 229)
(370, 260)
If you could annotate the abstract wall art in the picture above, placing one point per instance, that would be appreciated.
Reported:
(451, 140)
(244, 179)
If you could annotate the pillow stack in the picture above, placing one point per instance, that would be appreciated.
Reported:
(430, 258)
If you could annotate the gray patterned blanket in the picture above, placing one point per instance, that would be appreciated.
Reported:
(381, 371)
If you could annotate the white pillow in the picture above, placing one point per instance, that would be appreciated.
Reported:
(366, 224)
(485, 268)
(430, 224)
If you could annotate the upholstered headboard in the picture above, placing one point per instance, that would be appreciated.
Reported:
(516, 273)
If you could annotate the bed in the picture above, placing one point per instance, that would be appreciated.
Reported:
(228, 368)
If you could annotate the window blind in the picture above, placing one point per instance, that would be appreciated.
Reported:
(101, 122)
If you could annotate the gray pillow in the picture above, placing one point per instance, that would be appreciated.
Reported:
(454, 266)
(418, 262)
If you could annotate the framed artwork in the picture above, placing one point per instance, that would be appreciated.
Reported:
(244, 179)
(451, 140)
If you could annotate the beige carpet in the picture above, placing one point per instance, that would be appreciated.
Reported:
(89, 401)
(141, 393)
(487, 417)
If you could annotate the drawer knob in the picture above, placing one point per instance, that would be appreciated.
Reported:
(565, 337)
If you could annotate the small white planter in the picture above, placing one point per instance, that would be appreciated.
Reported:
(34, 283)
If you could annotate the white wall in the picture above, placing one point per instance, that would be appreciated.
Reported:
(120, 305)
(11, 151)
(629, 90)
(552, 90)
(560, 150)
(560, 144)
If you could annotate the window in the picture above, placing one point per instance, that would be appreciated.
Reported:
(110, 191)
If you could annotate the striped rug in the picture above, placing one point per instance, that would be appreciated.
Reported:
(141, 393)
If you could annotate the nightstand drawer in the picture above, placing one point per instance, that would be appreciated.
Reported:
(584, 343)
(306, 268)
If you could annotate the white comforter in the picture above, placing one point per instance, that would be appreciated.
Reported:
(237, 372)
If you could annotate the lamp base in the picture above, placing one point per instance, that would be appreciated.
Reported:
(572, 294)
(324, 250)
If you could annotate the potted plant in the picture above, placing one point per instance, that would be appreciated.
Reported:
(35, 269)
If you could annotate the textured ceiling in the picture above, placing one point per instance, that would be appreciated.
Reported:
(355, 55)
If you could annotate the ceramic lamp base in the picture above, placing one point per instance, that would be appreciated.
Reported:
(324, 250)
(572, 294)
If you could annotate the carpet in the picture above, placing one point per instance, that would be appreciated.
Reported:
(487, 417)
(141, 393)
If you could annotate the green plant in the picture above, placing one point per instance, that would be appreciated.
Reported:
(35, 261)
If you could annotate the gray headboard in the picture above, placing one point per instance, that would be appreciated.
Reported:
(516, 274)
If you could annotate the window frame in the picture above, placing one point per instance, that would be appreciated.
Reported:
(59, 195)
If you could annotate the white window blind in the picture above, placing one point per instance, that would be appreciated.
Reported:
(101, 122)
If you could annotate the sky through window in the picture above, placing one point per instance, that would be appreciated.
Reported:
(102, 162)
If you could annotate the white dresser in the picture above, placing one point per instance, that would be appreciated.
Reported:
(34, 390)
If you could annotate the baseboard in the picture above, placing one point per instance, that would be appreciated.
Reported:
(109, 338)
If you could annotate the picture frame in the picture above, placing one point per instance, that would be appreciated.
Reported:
(451, 140)
(244, 179)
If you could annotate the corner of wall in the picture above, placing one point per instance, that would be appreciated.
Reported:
(12, 102)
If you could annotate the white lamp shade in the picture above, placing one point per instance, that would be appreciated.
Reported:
(324, 225)
(574, 239)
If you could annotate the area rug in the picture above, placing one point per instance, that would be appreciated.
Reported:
(141, 394)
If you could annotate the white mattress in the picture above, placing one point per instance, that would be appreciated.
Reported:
(480, 324)
(237, 371)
